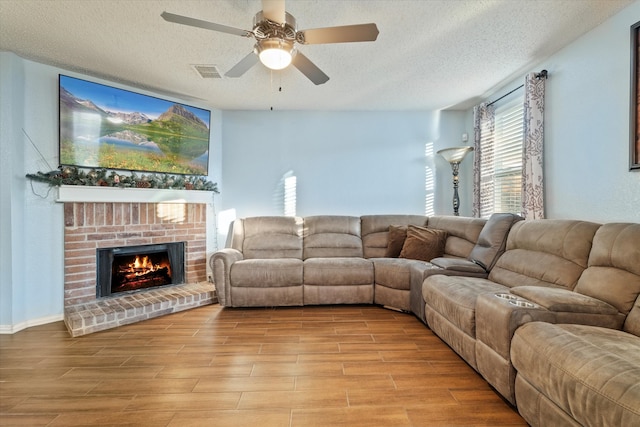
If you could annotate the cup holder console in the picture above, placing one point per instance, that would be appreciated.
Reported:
(507, 297)
(514, 300)
(521, 303)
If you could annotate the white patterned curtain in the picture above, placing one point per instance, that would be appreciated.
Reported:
(483, 133)
(533, 147)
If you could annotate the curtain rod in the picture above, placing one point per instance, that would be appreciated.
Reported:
(539, 75)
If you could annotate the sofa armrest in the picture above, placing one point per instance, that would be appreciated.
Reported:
(499, 315)
(459, 264)
(563, 300)
(220, 263)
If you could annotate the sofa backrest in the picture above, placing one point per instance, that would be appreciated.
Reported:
(545, 252)
(613, 272)
(268, 237)
(375, 231)
(327, 236)
(492, 240)
(463, 233)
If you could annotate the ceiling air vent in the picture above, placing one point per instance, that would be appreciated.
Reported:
(207, 71)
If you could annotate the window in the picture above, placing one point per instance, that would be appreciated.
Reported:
(501, 164)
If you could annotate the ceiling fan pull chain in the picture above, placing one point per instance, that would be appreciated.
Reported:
(271, 87)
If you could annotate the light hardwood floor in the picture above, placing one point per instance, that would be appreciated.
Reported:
(304, 366)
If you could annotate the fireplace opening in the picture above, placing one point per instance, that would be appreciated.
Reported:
(131, 268)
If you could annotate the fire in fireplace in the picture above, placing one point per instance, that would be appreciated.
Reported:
(131, 268)
(140, 271)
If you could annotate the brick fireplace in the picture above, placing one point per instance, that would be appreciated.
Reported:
(90, 226)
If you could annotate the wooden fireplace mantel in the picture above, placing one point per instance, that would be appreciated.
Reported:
(91, 194)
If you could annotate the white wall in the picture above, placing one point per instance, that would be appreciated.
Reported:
(587, 135)
(11, 161)
(346, 163)
(32, 268)
(587, 126)
(31, 222)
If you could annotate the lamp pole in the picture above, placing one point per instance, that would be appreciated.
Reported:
(454, 156)
(456, 199)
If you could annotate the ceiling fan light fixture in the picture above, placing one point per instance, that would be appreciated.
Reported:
(275, 54)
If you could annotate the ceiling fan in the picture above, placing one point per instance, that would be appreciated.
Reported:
(276, 34)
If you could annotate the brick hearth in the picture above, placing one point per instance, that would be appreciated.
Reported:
(89, 226)
(82, 319)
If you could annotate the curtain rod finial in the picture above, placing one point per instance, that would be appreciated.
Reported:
(543, 73)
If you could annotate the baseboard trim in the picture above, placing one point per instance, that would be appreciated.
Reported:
(12, 329)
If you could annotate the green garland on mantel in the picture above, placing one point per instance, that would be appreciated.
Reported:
(68, 175)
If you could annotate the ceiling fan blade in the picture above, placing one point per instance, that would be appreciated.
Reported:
(192, 22)
(309, 69)
(273, 10)
(343, 34)
(243, 66)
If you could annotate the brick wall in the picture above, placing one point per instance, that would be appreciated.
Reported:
(88, 226)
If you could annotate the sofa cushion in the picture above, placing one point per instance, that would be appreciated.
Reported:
(270, 237)
(344, 271)
(454, 297)
(448, 266)
(423, 243)
(375, 228)
(266, 273)
(463, 233)
(393, 272)
(560, 249)
(492, 240)
(332, 236)
(591, 373)
(395, 240)
(613, 274)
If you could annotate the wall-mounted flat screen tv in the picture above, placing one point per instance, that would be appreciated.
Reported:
(106, 127)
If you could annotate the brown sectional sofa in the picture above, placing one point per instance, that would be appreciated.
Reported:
(396, 279)
(577, 375)
(477, 324)
(547, 311)
(574, 286)
(280, 261)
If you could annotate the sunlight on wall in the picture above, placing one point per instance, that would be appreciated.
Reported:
(429, 180)
(290, 183)
(284, 195)
(172, 212)
(225, 218)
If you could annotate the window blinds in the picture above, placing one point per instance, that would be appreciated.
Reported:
(501, 171)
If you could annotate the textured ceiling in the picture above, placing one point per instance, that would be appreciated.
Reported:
(430, 54)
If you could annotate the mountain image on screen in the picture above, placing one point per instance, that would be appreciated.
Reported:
(96, 134)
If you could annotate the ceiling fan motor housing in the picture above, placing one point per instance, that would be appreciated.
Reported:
(266, 29)
(274, 41)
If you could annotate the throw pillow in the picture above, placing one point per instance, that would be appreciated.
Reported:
(395, 240)
(423, 243)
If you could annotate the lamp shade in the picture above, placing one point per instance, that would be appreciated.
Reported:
(455, 154)
(275, 54)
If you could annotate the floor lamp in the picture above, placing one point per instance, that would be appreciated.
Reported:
(454, 156)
